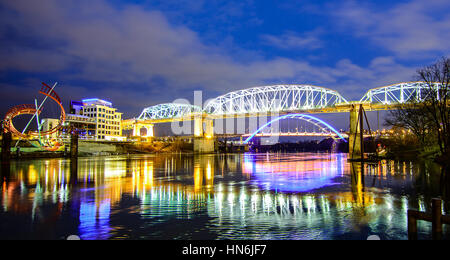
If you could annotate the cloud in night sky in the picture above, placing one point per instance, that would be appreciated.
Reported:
(409, 28)
(291, 40)
(141, 54)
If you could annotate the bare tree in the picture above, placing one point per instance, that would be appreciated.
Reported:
(428, 117)
(437, 100)
(415, 118)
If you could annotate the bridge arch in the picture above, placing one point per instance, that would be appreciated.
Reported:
(400, 93)
(168, 111)
(308, 118)
(275, 98)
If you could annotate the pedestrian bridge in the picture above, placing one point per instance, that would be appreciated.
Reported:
(283, 102)
(286, 99)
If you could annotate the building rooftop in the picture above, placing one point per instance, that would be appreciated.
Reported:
(96, 101)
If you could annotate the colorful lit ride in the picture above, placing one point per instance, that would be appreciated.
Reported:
(45, 139)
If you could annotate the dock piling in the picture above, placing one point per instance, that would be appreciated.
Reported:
(6, 146)
(436, 218)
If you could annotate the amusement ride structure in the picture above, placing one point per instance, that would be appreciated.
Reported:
(45, 139)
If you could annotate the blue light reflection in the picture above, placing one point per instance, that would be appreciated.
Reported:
(295, 174)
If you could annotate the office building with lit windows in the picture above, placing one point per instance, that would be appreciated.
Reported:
(107, 119)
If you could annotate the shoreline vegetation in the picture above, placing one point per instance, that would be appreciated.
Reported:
(424, 122)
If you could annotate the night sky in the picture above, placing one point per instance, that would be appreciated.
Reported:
(141, 53)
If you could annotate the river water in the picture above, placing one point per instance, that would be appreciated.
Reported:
(233, 196)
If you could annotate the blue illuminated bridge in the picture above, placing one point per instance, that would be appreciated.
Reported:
(288, 101)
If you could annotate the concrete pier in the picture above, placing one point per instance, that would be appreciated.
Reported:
(356, 138)
(209, 128)
(204, 145)
(198, 127)
(149, 128)
(204, 141)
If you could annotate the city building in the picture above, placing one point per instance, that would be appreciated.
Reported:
(85, 126)
(48, 124)
(107, 119)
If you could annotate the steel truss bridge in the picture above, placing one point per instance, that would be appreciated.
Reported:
(285, 100)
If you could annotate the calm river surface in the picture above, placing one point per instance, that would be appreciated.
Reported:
(235, 196)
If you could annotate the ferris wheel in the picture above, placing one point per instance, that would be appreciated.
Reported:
(48, 139)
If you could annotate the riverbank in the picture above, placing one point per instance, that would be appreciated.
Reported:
(89, 148)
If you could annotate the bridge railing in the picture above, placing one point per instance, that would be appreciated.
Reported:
(289, 99)
(276, 98)
(402, 93)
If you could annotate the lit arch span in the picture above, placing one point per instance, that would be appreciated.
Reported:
(275, 98)
(168, 111)
(400, 93)
(311, 119)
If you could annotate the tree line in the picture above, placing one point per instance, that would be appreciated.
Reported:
(427, 117)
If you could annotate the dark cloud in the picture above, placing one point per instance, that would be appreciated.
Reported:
(136, 57)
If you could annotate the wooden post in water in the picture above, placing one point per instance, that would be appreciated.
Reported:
(74, 145)
(6, 156)
(412, 225)
(436, 218)
(5, 171)
(436, 207)
(6, 146)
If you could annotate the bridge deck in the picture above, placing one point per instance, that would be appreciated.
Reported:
(338, 108)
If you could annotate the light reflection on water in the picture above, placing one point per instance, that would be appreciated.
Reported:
(249, 196)
(299, 173)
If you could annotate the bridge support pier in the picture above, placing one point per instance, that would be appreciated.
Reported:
(204, 136)
(198, 127)
(136, 130)
(148, 127)
(209, 128)
(356, 138)
(204, 145)
(150, 131)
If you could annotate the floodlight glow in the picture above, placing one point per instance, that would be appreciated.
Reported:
(96, 100)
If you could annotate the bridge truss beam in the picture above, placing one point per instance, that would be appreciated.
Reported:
(402, 93)
(276, 98)
(168, 111)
